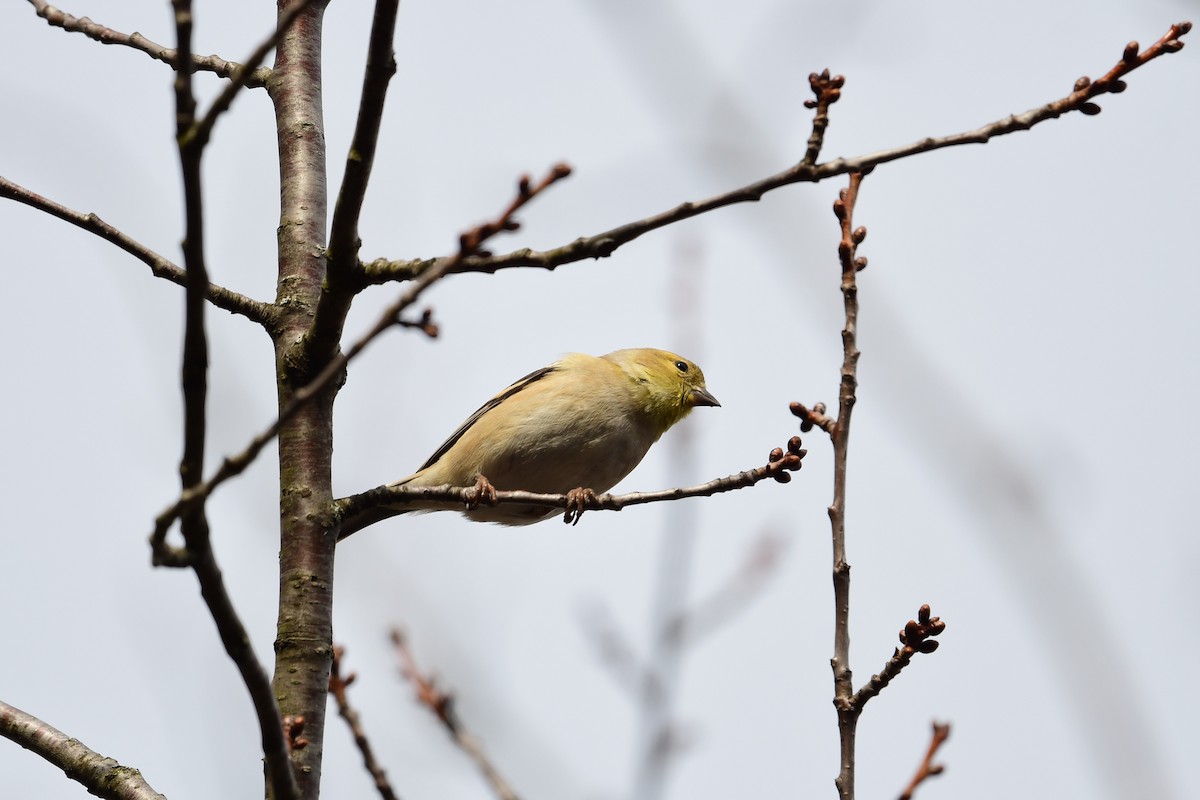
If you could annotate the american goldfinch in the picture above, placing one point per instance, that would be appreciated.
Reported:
(582, 422)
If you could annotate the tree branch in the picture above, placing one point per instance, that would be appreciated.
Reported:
(914, 638)
(100, 775)
(827, 90)
(195, 342)
(441, 704)
(602, 245)
(342, 281)
(778, 467)
(843, 682)
(160, 267)
(337, 687)
(381, 66)
(927, 770)
(304, 623)
(916, 634)
(169, 56)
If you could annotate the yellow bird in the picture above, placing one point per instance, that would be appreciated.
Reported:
(582, 422)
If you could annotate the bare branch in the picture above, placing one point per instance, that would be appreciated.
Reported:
(916, 637)
(602, 245)
(381, 66)
(814, 417)
(169, 56)
(160, 267)
(337, 687)
(441, 704)
(195, 343)
(941, 732)
(827, 90)
(779, 466)
(342, 278)
(100, 775)
(916, 634)
(232, 466)
(843, 682)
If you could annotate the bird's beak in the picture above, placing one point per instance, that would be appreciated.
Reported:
(701, 397)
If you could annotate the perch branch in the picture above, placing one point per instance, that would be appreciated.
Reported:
(602, 245)
(442, 705)
(169, 56)
(778, 467)
(100, 775)
(160, 267)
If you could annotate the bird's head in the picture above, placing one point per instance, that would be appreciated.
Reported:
(673, 385)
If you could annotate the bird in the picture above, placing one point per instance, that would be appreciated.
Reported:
(581, 423)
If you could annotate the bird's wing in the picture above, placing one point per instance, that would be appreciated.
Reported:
(531, 378)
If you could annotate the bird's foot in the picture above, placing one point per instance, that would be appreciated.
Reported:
(482, 492)
(577, 502)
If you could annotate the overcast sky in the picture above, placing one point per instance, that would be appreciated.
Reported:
(1023, 452)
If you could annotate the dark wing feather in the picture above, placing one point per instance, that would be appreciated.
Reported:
(486, 407)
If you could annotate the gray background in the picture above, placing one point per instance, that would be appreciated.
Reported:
(1023, 454)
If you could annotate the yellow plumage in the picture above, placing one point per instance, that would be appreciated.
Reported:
(582, 422)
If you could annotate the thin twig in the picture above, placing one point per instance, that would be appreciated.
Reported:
(337, 687)
(343, 280)
(843, 682)
(160, 267)
(602, 245)
(442, 705)
(100, 775)
(778, 467)
(915, 637)
(169, 56)
(941, 732)
(231, 466)
(827, 90)
(381, 66)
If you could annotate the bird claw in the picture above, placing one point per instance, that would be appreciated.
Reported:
(577, 502)
(483, 492)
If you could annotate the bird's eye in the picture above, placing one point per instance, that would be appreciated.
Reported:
(681, 366)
